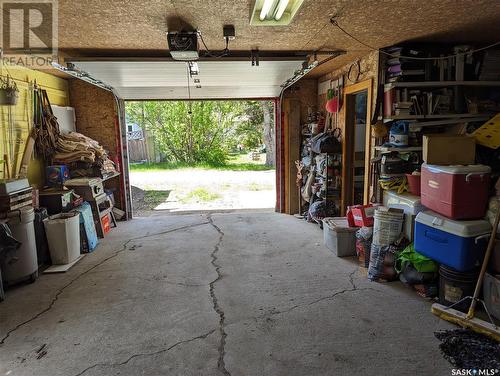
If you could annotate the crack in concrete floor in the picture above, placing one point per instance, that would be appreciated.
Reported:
(221, 365)
(61, 290)
(202, 336)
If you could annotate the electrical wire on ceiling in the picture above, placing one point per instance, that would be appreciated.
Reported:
(334, 22)
(225, 51)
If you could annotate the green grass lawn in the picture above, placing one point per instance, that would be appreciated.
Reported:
(236, 162)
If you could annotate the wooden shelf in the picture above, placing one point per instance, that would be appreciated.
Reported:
(114, 175)
(402, 150)
(424, 84)
(436, 116)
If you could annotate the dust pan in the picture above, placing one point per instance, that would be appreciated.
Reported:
(468, 320)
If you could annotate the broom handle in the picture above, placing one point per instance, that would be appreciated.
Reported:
(489, 250)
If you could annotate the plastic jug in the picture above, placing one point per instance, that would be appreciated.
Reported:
(398, 135)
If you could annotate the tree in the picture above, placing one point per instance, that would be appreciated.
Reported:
(269, 132)
(258, 128)
(206, 131)
(189, 132)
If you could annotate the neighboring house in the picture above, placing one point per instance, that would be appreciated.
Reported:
(134, 131)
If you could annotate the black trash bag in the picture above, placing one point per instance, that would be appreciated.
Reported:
(8, 244)
(327, 142)
(411, 276)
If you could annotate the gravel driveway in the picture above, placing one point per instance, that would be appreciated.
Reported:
(203, 189)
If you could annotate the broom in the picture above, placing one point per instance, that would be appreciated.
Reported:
(468, 320)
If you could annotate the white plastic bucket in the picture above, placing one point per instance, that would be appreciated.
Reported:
(63, 236)
(387, 226)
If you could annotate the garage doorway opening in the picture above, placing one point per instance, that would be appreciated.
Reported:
(198, 156)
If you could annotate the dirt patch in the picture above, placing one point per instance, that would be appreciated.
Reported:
(145, 201)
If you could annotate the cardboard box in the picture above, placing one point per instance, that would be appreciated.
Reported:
(448, 150)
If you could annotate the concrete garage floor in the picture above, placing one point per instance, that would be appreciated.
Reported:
(226, 294)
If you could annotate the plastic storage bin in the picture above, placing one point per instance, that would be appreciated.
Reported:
(491, 292)
(20, 223)
(458, 244)
(410, 204)
(339, 237)
(457, 192)
(63, 235)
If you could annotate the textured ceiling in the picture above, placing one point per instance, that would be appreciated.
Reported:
(137, 28)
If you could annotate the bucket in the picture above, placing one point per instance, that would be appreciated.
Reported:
(455, 285)
(491, 292)
(387, 226)
(413, 184)
(63, 236)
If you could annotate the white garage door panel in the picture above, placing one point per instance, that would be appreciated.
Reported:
(168, 80)
(219, 92)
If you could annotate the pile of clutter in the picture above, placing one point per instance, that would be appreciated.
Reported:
(83, 155)
(434, 241)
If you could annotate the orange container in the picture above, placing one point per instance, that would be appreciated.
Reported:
(106, 224)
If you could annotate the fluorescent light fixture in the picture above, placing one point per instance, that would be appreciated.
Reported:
(274, 12)
(280, 9)
(266, 8)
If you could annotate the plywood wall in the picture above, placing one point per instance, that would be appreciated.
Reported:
(95, 112)
(369, 70)
(306, 92)
(16, 120)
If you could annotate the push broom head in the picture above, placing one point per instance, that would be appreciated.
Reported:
(460, 318)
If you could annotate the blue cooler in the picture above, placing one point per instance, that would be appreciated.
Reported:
(460, 245)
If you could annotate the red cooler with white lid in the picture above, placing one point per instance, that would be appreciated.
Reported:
(457, 192)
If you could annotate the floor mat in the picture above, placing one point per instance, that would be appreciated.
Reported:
(467, 349)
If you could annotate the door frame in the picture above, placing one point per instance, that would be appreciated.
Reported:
(348, 144)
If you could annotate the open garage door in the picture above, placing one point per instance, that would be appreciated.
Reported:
(202, 80)
(211, 79)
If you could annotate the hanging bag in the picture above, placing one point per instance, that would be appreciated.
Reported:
(327, 142)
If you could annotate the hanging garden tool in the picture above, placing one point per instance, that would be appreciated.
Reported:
(45, 129)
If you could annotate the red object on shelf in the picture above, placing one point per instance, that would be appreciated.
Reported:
(413, 184)
(457, 192)
(363, 215)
